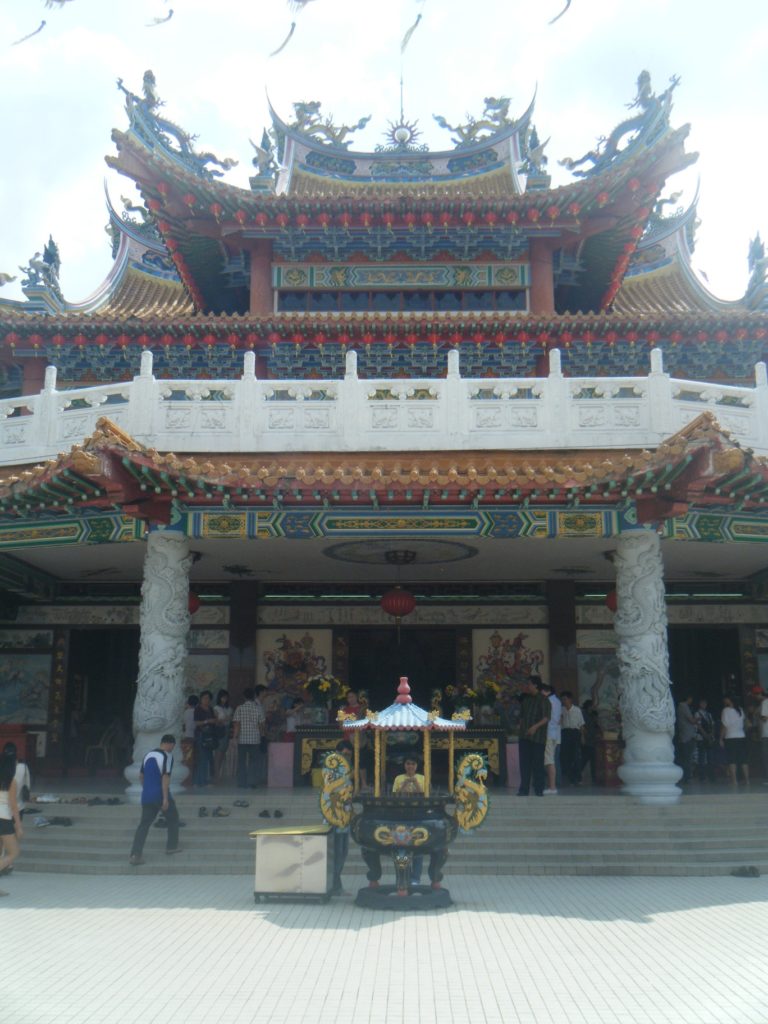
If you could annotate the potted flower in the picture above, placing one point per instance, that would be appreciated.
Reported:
(324, 689)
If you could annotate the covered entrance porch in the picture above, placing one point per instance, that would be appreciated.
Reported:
(245, 568)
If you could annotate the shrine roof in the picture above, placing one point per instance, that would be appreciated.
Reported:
(661, 278)
(487, 152)
(701, 466)
(324, 203)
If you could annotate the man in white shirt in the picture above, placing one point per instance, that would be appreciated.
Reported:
(553, 738)
(572, 729)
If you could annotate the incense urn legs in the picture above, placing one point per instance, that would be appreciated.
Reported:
(164, 622)
(649, 772)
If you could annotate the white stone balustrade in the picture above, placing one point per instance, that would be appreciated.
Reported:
(354, 414)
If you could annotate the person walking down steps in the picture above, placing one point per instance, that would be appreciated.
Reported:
(156, 796)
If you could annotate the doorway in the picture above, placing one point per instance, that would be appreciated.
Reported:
(704, 662)
(376, 662)
(101, 689)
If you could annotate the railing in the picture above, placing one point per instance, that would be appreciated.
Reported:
(450, 413)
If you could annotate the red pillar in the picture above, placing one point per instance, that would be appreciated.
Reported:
(542, 292)
(261, 278)
(33, 376)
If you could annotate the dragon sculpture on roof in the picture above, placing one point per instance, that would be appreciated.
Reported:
(495, 117)
(143, 112)
(653, 117)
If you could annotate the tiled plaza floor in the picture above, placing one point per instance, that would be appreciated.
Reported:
(513, 950)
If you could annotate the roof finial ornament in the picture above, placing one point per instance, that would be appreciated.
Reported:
(403, 692)
(495, 117)
(148, 125)
(310, 122)
(42, 272)
(646, 125)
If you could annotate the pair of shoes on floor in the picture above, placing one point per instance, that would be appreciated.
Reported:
(268, 814)
(550, 792)
(241, 803)
(41, 822)
(135, 861)
(202, 812)
(176, 849)
(220, 812)
(162, 823)
(745, 871)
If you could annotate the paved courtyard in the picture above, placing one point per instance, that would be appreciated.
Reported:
(516, 949)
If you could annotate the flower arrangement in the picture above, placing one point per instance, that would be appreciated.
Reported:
(488, 692)
(324, 688)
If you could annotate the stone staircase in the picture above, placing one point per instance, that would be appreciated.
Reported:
(571, 834)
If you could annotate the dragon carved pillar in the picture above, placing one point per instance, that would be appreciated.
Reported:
(649, 773)
(164, 621)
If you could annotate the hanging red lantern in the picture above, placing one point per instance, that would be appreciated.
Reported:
(612, 601)
(193, 602)
(398, 603)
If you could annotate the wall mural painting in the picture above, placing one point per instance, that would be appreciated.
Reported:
(29, 639)
(205, 672)
(502, 660)
(24, 686)
(286, 659)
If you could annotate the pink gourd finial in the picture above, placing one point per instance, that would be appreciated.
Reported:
(403, 692)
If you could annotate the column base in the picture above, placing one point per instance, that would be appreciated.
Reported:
(651, 782)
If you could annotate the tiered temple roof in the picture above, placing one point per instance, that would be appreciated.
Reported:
(481, 217)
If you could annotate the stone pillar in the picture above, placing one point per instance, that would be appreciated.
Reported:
(649, 772)
(164, 622)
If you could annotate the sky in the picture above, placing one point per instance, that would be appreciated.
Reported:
(213, 70)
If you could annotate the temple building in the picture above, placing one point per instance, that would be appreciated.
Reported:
(401, 412)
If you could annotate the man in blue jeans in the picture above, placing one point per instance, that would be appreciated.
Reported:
(156, 796)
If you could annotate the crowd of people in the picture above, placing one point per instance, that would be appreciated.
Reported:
(220, 742)
(708, 745)
(557, 741)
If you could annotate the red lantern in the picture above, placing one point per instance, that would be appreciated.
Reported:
(398, 603)
(612, 601)
(193, 602)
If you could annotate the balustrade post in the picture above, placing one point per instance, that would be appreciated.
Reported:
(557, 403)
(351, 421)
(649, 772)
(454, 406)
(46, 414)
(143, 397)
(248, 412)
(659, 398)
